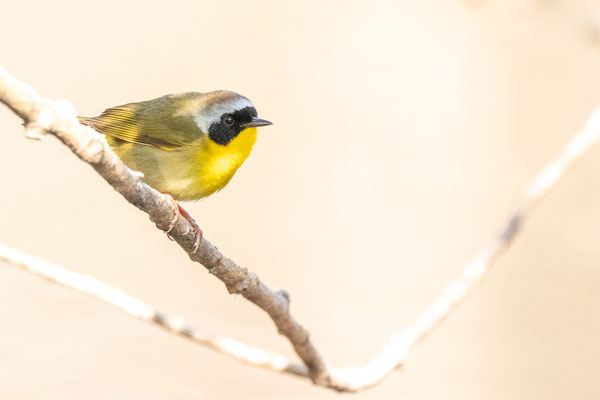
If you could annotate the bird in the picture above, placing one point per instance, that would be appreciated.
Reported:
(187, 145)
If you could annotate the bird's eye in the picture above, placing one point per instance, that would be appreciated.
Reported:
(228, 120)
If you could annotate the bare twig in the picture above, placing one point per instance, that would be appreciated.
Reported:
(42, 116)
(137, 309)
(395, 353)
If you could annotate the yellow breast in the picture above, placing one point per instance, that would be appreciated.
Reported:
(217, 163)
(195, 171)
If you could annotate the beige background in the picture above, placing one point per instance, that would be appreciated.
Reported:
(404, 133)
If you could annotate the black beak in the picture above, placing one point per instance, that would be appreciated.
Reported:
(256, 122)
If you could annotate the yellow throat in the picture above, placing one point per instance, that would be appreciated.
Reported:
(218, 163)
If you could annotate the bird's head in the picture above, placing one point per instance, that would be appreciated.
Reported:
(224, 115)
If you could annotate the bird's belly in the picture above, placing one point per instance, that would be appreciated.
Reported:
(190, 173)
(185, 174)
(188, 180)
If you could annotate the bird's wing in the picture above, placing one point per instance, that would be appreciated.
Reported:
(156, 123)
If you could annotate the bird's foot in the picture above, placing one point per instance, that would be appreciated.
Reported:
(176, 212)
(181, 212)
(197, 231)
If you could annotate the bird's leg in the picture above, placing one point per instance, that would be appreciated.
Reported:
(181, 212)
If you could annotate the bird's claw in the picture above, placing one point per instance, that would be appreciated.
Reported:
(180, 212)
(198, 239)
(173, 221)
(197, 230)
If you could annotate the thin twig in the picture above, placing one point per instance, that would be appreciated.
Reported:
(137, 309)
(59, 119)
(394, 354)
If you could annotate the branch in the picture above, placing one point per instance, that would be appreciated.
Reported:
(395, 353)
(58, 118)
(137, 309)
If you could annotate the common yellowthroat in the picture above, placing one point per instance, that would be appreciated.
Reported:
(187, 145)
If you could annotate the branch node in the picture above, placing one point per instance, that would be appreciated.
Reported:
(92, 151)
(284, 294)
(138, 176)
(239, 287)
(513, 227)
(34, 131)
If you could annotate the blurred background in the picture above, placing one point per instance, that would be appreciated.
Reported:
(404, 134)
